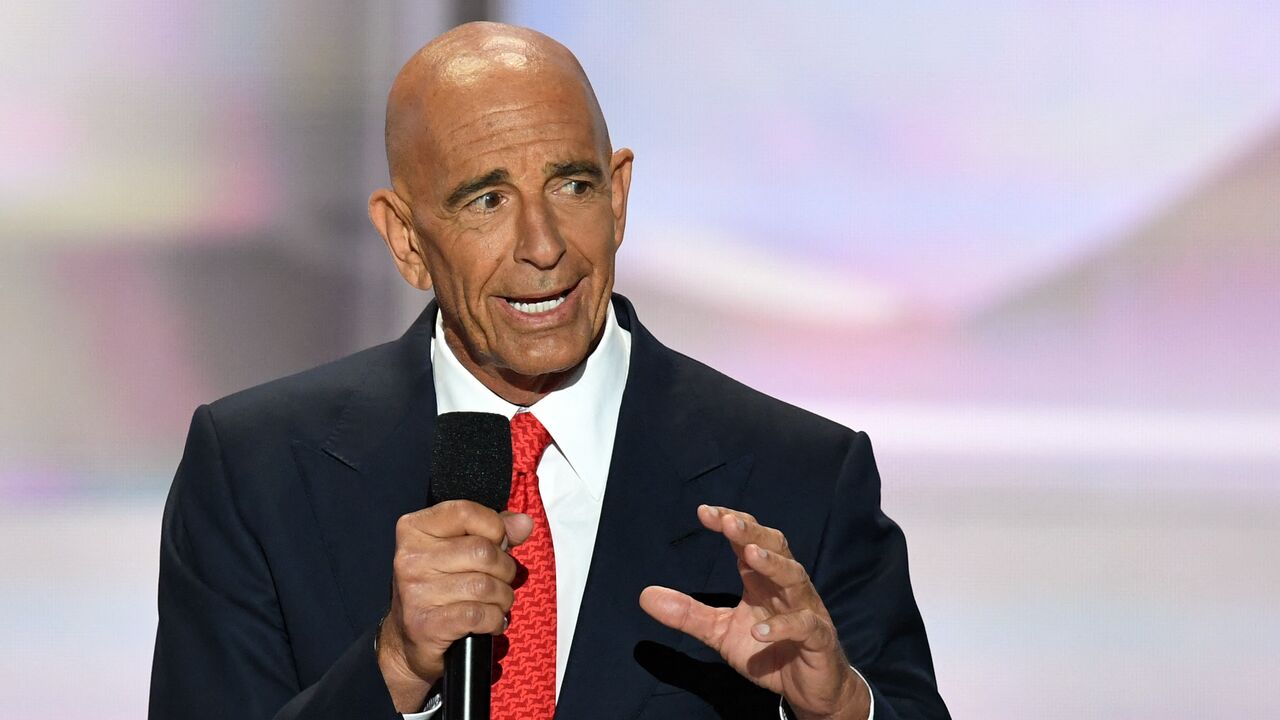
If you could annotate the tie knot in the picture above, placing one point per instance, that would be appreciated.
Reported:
(529, 439)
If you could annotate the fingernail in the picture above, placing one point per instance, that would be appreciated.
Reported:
(763, 553)
(762, 629)
(715, 511)
(742, 525)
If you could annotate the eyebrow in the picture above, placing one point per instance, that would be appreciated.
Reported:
(499, 175)
(575, 167)
(468, 187)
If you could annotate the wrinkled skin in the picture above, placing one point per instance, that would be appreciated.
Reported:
(504, 187)
(506, 192)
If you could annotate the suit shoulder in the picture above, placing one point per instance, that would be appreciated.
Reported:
(741, 411)
(297, 403)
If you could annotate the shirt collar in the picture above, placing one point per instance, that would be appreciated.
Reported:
(581, 416)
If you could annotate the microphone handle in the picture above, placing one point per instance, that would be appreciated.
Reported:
(468, 672)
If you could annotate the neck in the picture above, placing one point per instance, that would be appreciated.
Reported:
(517, 389)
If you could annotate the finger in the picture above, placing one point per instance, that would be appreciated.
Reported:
(782, 571)
(468, 553)
(721, 520)
(681, 612)
(452, 518)
(518, 527)
(805, 627)
(741, 529)
(712, 517)
(441, 590)
(439, 627)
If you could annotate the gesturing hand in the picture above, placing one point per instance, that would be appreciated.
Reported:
(780, 636)
(451, 577)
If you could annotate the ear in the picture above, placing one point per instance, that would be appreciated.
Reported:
(620, 182)
(391, 216)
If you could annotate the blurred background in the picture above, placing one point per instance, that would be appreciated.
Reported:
(1032, 248)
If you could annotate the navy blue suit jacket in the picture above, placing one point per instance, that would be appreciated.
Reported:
(278, 535)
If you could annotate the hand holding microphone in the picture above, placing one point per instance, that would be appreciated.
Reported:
(452, 576)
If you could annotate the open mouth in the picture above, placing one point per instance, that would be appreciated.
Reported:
(539, 306)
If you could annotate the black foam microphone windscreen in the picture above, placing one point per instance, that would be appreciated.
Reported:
(471, 459)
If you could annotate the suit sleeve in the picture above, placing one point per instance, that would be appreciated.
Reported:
(861, 574)
(222, 648)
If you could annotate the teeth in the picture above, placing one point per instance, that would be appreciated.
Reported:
(536, 307)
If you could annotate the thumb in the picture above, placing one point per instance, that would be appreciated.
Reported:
(681, 612)
(519, 527)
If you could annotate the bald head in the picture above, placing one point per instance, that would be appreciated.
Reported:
(507, 202)
(468, 73)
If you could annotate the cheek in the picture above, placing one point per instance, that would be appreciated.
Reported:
(591, 231)
(466, 264)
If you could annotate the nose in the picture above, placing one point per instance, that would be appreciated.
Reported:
(539, 242)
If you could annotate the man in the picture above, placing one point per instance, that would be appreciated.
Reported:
(633, 566)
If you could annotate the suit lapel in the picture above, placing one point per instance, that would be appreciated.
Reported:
(664, 465)
(373, 467)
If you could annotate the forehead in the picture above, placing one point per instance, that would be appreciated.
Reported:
(512, 121)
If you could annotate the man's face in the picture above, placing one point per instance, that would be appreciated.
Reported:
(518, 210)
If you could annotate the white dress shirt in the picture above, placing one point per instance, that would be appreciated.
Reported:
(582, 418)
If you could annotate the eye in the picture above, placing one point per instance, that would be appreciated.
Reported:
(487, 202)
(576, 188)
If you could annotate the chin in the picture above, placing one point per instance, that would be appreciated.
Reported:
(546, 358)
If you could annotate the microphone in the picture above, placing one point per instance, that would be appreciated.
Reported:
(471, 460)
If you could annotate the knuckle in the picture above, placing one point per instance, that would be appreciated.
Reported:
(400, 565)
(472, 614)
(417, 623)
(808, 619)
(819, 627)
(448, 511)
(477, 516)
(478, 586)
(406, 564)
(403, 526)
(483, 550)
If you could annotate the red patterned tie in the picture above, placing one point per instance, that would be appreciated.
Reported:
(526, 687)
